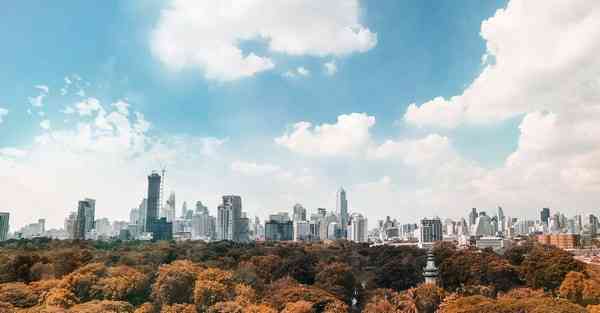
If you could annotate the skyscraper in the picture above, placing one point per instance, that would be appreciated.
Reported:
(430, 231)
(357, 231)
(169, 209)
(84, 222)
(545, 216)
(473, 217)
(229, 219)
(4, 225)
(342, 208)
(153, 202)
(501, 220)
(142, 216)
(299, 212)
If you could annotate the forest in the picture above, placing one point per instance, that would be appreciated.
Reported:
(44, 275)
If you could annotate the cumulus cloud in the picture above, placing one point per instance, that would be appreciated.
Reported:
(43, 88)
(330, 68)
(348, 136)
(299, 71)
(45, 124)
(209, 34)
(3, 113)
(541, 55)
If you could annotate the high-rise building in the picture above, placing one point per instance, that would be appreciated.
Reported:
(430, 231)
(342, 208)
(203, 226)
(169, 209)
(201, 208)
(153, 200)
(545, 216)
(4, 225)
(142, 209)
(134, 216)
(84, 222)
(70, 224)
(357, 230)
(299, 212)
(501, 220)
(301, 230)
(279, 231)
(229, 219)
(473, 217)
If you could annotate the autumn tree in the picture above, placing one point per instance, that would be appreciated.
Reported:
(212, 285)
(546, 267)
(338, 279)
(427, 297)
(175, 283)
(298, 307)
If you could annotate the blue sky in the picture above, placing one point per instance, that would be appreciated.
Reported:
(423, 50)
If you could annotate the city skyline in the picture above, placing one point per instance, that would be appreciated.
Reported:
(416, 108)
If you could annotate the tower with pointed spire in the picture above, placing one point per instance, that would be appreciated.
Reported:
(430, 272)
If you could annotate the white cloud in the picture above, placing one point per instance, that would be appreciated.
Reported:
(330, 68)
(37, 101)
(3, 113)
(208, 34)
(303, 71)
(88, 106)
(299, 71)
(43, 88)
(81, 93)
(541, 55)
(45, 124)
(122, 107)
(348, 136)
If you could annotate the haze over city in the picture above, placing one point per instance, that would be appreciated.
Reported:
(415, 108)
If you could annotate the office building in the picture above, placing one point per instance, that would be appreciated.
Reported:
(341, 209)
(70, 225)
(279, 231)
(563, 241)
(142, 209)
(4, 225)
(161, 229)
(430, 232)
(153, 200)
(229, 220)
(498, 244)
(301, 230)
(357, 230)
(473, 217)
(84, 222)
(203, 226)
(501, 220)
(299, 212)
(545, 216)
(169, 208)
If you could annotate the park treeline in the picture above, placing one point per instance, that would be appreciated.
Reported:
(44, 275)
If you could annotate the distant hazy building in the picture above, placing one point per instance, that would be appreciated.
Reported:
(169, 208)
(203, 226)
(4, 225)
(430, 231)
(498, 244)
(501, 220)
(299, 212)
(483, 226)
(358, 228)
(473, 217)
(142, 210)
(70, 224)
